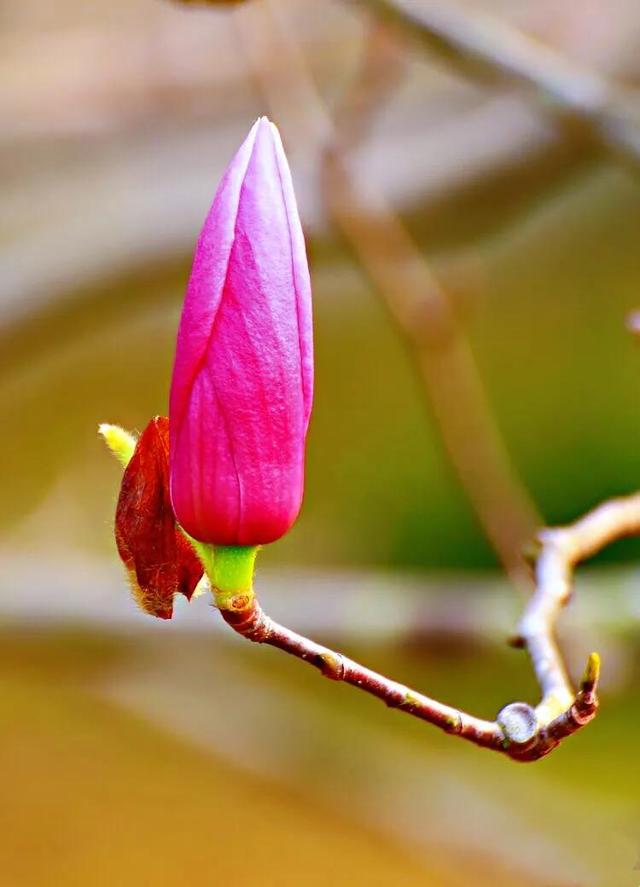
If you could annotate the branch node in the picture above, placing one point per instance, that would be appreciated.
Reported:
(409, 701)
(245, 616)
(331, 665)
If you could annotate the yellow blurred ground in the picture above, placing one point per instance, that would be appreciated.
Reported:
(91, 795)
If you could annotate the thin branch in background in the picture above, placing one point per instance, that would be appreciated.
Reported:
(559, 705)
(475, 42)
(423, 313)
(457, 398)
(414, 298)
(381, 68)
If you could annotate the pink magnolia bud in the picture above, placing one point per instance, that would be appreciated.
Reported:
(242, 382)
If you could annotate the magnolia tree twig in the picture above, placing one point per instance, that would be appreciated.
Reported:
(517, 731)
(247, 618)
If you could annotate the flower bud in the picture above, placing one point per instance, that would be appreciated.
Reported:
(242, 382)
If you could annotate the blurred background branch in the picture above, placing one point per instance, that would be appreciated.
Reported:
(478, 44)
(422, 312)
(400, 274)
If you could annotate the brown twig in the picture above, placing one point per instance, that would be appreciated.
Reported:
(520, 731)
(477, 43)
(516, 732)
(252, 623)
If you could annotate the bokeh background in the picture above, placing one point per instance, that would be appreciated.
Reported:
(475, 255)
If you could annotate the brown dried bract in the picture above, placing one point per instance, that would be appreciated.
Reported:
(157, 556)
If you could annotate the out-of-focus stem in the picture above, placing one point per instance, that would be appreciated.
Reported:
(423, 313)
(475, 43)
(416, 301)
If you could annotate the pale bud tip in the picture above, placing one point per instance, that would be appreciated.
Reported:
(591, 674)
(121, 443)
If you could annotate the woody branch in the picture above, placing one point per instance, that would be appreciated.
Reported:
(519, 731)
(400, 274)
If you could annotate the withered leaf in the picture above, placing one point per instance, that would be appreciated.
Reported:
(158, 558)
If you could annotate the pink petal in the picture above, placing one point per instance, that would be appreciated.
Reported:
(243, 377)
